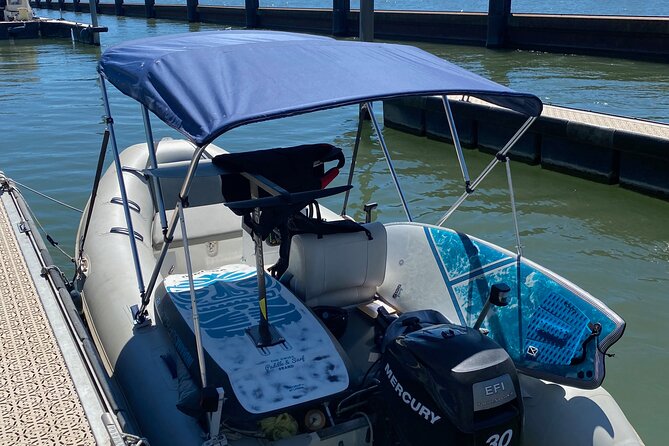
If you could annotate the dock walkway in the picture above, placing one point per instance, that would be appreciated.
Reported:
(46, 395)
(620, 123)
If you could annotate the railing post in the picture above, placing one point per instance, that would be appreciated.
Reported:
(340, 10)
(366, 20)
(191, 11)
(77, 5)
(498, 17)
(150, 10)
(93, 8)
(252, 13)
(118, 7)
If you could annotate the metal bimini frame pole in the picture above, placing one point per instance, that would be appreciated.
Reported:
(456, 141)
(354, 157)
(193, 301)
(154, 164)
(178, 217)
(121, 183)
(500, 155)
(140, 317)
(377, 128)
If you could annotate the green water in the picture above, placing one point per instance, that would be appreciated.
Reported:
(611, 242)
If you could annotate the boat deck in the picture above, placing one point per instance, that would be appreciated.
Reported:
(46, 396)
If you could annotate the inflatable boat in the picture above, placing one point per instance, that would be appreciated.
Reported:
(233, 308)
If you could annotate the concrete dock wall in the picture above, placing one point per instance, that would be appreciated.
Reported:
(603, 148)
(629, 37)
(444, 27)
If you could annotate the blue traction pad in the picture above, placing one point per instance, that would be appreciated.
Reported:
(556, 331)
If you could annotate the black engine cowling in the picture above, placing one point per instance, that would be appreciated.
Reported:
(451, 385)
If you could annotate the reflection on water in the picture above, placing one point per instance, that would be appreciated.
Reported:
(615, 86)
(20, 63)
(612, 242)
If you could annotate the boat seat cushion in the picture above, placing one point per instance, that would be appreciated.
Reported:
(337, 269)
(203, 223)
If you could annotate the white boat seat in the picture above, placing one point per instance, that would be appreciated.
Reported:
(337, 269)
(203, 190)
(203, 224)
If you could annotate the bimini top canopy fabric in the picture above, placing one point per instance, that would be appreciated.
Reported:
(203, 84)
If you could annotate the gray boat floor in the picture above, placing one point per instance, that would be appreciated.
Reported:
(46, 394)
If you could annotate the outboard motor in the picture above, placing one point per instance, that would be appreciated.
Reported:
(445, 384)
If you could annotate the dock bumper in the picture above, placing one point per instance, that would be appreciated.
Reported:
(608, 149)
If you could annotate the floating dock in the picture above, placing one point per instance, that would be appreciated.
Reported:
(40, 27)
(609, 149)
(48, 391)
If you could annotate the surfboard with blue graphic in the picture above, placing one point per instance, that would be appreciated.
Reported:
(306, 367)
(555, 330)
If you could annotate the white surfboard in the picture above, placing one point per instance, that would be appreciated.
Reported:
(306, 367)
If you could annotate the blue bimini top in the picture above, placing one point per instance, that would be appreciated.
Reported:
(205, 83)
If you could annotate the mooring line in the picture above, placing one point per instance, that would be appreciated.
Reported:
(48, 197)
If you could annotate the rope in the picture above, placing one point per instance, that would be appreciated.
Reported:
(369, 423)
(48, 197)
(134, 440)
(279, 427)
(53, 242)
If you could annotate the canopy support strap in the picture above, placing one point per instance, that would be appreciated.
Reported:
(140, 316)
(514, 139)
(154, 164)
(94, 192)
(456, 141)
(121, 184)
(193, 301)
(377, 128)
(512, 197)
(519, 255)
(356, 146)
